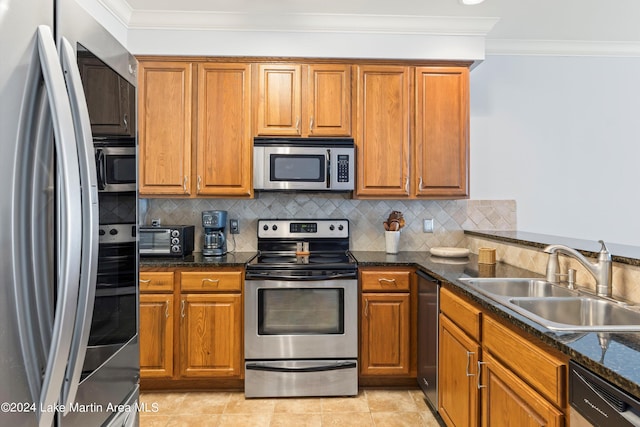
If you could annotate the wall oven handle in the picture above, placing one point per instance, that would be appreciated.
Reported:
(333, 367)
(90, 224)
(68, 224)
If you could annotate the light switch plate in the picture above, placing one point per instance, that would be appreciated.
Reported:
(427, 225)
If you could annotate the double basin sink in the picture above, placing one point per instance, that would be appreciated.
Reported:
(559, 308)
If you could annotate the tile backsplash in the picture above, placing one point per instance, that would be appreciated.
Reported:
(450, 217)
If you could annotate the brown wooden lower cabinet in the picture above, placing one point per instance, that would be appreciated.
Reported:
(211, 335)
(156, 340)
(191, 328)
(518, 380)
(388, 334)
(458, 394)
(509, 401)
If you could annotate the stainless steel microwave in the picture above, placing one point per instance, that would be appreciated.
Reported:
(312, 164)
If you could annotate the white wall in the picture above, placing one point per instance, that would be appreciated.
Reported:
(560, 136)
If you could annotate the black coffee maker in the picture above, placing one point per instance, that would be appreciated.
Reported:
(215, 238)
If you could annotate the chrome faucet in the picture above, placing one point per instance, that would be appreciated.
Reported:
(601, 270)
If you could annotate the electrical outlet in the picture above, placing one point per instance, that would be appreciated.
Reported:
(234, 227)
(427, 226)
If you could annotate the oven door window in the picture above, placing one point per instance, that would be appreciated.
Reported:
(297, 167)
(304, 311)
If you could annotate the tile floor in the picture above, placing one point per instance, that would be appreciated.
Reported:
(370, 408)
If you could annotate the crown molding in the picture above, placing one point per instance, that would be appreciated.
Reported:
(297, 22)
(120, 9)
(561, 48)
(312, 23)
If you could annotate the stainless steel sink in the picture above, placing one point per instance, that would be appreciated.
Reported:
(517, 287)
(585, 313)
(558, 308)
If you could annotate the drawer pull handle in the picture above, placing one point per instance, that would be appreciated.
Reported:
(166, 310)
(384, 281)
(480, 374)
(206, 280)
(469, 353)
(182, 314)
(143, 281)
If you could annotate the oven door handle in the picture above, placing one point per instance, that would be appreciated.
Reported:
(321, 368)
(269, 276)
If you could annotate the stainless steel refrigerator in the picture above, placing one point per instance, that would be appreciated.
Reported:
(69, 352)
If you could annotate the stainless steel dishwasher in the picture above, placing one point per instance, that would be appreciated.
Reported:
(428, 310)
(596, 402)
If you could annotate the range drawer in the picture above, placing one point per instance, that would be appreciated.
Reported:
(156, 281)
(387, 281)
(463, 314)
(211, 281)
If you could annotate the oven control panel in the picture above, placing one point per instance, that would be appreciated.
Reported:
(301, 229)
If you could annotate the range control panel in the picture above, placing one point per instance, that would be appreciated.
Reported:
(303, 229)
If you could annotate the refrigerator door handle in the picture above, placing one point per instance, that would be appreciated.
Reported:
(90, 224)
(68, 226)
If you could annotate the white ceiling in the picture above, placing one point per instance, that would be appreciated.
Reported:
(593, 25)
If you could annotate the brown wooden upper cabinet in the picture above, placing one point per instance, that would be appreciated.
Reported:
(303, 100)
(382, 135)
(164, 121)
(224, 144)
(442, 132)
(221, 148)
(113, 115)
(412, 132)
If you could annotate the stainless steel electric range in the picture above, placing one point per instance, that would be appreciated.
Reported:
(301, 300)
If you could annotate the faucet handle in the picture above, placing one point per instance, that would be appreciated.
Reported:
(604, 252)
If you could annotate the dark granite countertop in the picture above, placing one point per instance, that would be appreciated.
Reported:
(621, 362)
(231, 259)
(620, 253)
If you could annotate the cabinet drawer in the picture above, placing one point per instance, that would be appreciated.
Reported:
(156, 281)
(380, 280)
(211, 281)
(463, 314)
(541, 370)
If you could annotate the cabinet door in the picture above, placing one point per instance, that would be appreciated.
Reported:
(328, 100)
(224, 130)
(112, 115)
(382, 137)
(507, 400)
(385, 336)
(156, 336)
(457, 376)
(442, 132)
(211, 336)
(279, 108)
(165, 96)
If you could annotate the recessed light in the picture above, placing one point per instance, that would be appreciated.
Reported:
(470, 2)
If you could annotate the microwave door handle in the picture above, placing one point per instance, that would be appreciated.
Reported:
(328, 168)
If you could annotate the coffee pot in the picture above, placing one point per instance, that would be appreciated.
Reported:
(215, 238)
